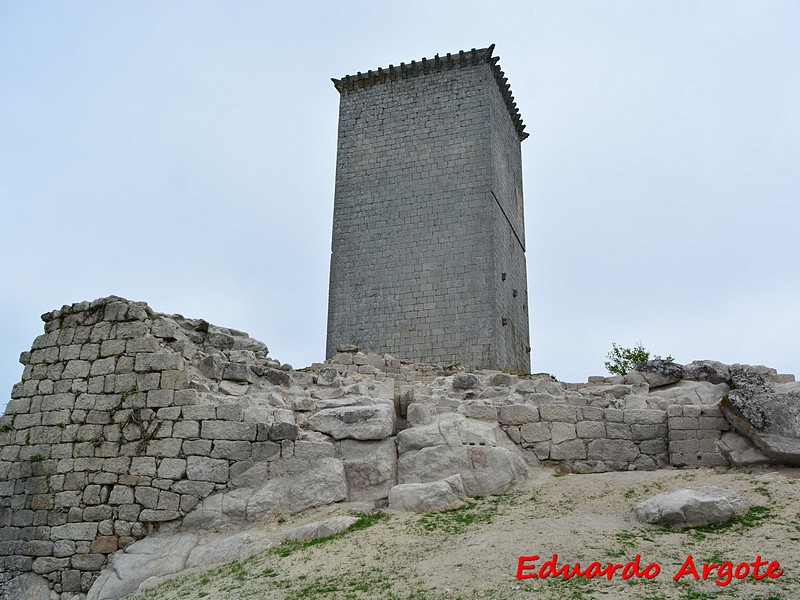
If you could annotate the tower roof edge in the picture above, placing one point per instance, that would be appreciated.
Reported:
(459, 60)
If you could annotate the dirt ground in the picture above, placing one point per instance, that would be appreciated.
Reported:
(474, 552)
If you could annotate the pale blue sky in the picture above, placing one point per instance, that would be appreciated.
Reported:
(183, 153)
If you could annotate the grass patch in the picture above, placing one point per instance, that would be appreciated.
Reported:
(457, 520)
(754, 516)
(576, 588)
(764, 491)
(8, 425)
(364, 520)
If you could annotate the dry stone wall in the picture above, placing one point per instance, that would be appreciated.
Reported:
(130, 424)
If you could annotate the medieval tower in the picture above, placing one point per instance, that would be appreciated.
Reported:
(428, 251)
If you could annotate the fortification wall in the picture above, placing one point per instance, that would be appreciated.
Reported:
(129, 423)
(111, 432)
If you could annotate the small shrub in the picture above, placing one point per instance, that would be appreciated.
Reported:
(622, 361)
(9, 425)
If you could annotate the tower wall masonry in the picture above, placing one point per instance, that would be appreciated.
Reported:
(428, 233)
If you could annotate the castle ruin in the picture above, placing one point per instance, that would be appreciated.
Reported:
(139, 444)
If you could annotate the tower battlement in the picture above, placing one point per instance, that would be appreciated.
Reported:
(351, 83)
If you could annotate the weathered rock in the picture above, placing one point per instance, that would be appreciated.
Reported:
(487, 460)
(327, 376)
(418, 414)
(769, 419)
(274, 376)
(541, 387)
(320, 529)
(370, 467)
(153, 556)
(617, 452)
(707, 370)
(236, 372)
(464, 381)
(698, 506)
(743, 374)
(322, 482)
(29, 586)
(357, 422)
(739, 451)
(434, 496)
(690, 392)
(150, 561)
(518, 414)
(501, 380)
(656, 373)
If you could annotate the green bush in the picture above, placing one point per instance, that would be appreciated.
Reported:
(622, 361)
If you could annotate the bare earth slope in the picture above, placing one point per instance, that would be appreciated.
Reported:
(473, 552)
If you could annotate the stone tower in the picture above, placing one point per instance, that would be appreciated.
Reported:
(428, 252)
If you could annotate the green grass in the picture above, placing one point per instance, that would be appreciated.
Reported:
(754, 516)
(9, 425)
(364, 520)
(764, 491)
(457, 520)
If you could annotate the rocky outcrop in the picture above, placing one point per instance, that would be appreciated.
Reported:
(707, 370)
(698, 506)
(481, 453)
(656, 373)
(150, 561)
(765, 409)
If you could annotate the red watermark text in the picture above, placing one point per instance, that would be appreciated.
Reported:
(528, 567)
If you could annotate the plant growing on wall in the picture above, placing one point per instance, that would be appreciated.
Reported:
(621, 361)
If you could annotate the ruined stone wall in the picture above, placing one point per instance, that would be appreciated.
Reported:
(129, 423)
(110, 433)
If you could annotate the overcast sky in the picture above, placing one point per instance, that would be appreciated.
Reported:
(183, 153)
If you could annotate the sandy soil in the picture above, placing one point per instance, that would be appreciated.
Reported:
(473, 552)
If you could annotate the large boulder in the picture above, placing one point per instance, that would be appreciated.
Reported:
(29, 586)
(156, 556)
(487, 460)
(655, 373)
(310, 485)
(374, 422)
(767, 414)
(434, 496)
(739, 451)
(689, 392)
(707, 370)
(698, 506)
